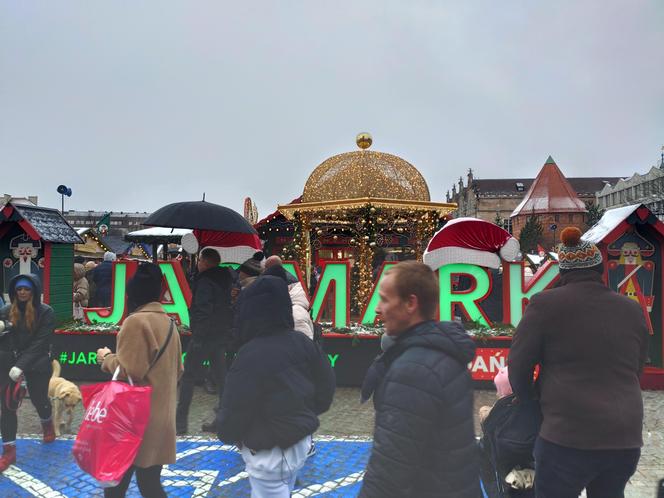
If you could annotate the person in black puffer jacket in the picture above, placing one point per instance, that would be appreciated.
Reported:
(210, 320)
(25, 354)
(279, 383)
(424, 441)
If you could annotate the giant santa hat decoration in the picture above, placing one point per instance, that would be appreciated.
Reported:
(233, 247)
(472, 241)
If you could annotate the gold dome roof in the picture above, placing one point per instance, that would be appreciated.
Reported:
(362, 174)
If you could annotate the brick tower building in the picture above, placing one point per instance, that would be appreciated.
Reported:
(553, 201)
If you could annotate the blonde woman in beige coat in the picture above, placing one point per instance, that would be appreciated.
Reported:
(143, 334)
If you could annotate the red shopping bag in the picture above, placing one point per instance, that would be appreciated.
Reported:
(116, 415)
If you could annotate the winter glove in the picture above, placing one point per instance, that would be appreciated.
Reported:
(15, 373)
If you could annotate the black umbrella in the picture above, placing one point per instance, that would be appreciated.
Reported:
(200, 215)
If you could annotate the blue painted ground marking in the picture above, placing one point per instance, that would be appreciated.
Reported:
(205, 468)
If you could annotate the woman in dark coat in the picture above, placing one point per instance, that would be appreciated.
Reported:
(25, 355)
(279, 383)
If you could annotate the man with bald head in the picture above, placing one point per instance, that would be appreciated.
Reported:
(299, 299)
(273, 261)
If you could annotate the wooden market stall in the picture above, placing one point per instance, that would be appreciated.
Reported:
(39, 240)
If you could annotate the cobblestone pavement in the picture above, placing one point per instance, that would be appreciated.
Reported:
(207, 468)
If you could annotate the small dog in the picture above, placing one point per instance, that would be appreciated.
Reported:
(64, 396)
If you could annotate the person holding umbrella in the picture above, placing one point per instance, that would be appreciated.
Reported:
(210, 312)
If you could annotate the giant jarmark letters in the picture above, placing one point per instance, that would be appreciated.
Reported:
(334, 287)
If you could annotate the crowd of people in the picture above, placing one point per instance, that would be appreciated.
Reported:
(588, 341)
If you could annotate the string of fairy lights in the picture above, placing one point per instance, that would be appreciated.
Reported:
(92, 235)
(364, 201)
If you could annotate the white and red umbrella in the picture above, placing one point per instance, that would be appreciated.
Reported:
(472, 241)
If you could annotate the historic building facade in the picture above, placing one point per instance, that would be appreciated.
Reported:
(496, 198)
(646, 189)
(120, 223)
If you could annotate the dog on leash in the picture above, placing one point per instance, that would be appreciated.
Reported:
(64, 396)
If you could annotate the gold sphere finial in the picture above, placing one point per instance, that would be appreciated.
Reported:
(363, 140)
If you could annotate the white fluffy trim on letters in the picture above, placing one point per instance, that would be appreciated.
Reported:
(449, 255)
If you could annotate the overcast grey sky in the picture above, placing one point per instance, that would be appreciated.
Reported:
(135, 104)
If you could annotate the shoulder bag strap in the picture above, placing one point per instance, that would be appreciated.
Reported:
(163, 347)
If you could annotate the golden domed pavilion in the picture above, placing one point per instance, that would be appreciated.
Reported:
(364, 206)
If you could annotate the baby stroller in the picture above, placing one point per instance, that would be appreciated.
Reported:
(509, 434)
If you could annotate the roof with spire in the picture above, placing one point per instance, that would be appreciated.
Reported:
(550, 193)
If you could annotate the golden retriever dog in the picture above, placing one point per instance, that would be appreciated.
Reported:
(64, 396)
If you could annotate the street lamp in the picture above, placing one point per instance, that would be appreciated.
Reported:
(64, 190)
(553, 227)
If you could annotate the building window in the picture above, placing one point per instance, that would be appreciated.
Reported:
(570, 218)
(556, 217)
(519, 187)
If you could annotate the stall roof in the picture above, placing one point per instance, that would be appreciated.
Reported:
(158, 235)
(116, 243)
(609, 221)
(48, 223)
(159, 232)
(276, 214)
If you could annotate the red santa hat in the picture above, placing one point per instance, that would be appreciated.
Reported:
(233, 247)
(472, 241)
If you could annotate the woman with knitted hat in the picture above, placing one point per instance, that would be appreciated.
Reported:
(25, 346)
(591, 345)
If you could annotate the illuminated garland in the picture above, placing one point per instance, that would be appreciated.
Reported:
(475, 329)
(366, 228)
(296, 249)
